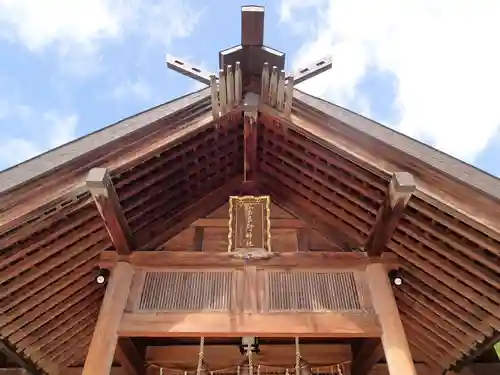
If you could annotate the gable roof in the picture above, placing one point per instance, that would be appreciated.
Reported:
(325, 164)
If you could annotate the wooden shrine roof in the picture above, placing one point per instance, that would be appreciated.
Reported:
(174, 164)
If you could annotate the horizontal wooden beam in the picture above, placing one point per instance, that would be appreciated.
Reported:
(378, 369)
(275, 223)
(312, 259)
(221, 324)
(185, 357)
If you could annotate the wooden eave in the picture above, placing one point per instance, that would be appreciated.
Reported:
(52, 233)
(174, 164)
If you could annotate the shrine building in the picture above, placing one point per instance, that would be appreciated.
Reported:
(248, 228)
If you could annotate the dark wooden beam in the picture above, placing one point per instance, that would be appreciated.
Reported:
(252, 26)
(400, 189)
(365, 358)
(129, 357)
(198, 236)
(283, 223)
(250, 106)
(22, 362)
(303, 239)
(101, 187)
(311, 259)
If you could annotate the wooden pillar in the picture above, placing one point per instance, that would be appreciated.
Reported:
(396, 348)
(102, 347)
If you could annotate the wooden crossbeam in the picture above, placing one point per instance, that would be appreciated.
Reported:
(101, 187)
(276, 223)
(129, 357)
(316, 259)
(189, 70)
(252, 25)
(400, 189)
(379, 369)
(228, 324)
(367, 356)
(312, 70)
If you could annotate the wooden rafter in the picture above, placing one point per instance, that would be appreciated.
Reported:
(183, 219)
(401, 187)
(101, 187)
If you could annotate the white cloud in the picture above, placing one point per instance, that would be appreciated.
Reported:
(40, 132)
(76, 28)
(137, 89)
(444, 54)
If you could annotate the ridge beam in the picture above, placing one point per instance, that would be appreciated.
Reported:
(399, 192)
(104, 194)
(313, 70)
(189, 70)
(251, 114)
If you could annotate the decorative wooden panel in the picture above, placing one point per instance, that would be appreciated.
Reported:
(249, 223)
(183, 290)
(314, 291)
(250, 290)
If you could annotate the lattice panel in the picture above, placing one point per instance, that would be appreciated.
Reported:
(313, 291)
(187, 291)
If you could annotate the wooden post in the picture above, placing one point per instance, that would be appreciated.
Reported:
(102, 347)
(396, 348)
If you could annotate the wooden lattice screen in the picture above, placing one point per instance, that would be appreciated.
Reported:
(251, 290)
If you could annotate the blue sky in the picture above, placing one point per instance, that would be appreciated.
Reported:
(70, 67)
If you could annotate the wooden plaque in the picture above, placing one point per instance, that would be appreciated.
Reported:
(249, 223)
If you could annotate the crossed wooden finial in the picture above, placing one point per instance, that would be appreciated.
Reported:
(250, 59)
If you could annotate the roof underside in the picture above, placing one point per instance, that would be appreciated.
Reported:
(327, 166)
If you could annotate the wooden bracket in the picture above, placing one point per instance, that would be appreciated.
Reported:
(400, 189)
(103, 192)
